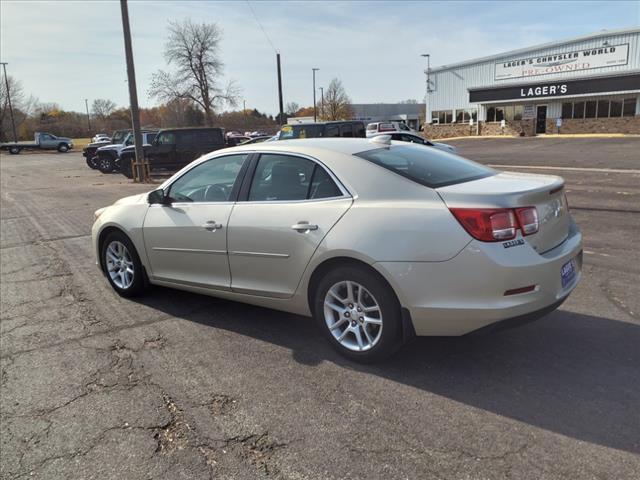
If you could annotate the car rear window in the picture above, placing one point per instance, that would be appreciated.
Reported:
(427, 165)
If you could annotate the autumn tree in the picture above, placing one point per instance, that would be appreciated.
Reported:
(193, 49)
(102, 108)
(337, 104)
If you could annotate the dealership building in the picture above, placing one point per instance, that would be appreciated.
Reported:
(588, 84)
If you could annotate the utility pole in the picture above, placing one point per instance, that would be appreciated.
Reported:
(86, 104)
(322, 102)
(428, 89)
(281, 116)
(244, 112)
(133, 93)
(314, 94)
(13, 122)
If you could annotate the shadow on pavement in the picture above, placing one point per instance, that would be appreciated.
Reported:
(576, 375)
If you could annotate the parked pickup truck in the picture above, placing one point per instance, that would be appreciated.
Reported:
(174, 148)
(89, 152)
(109, 155)
(43, 141)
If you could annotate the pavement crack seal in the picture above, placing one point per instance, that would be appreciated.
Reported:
(257, 449)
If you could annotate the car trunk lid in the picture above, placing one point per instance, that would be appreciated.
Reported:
(515, 190)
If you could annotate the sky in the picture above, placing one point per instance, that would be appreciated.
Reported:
(66, 51)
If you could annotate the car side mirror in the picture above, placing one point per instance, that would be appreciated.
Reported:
(158, 197)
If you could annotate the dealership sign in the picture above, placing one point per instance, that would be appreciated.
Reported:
(574, 61)
(566, 88)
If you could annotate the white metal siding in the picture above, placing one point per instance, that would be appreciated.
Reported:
(450, 86)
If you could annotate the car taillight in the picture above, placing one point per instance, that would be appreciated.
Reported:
(528, 219)
(497, 224)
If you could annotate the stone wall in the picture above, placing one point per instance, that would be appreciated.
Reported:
(628, 125)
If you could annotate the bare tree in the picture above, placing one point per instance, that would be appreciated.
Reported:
(337, 104)
(102, 108)
(21, 104)
(291, 109)
(194, 50)
(409, 101)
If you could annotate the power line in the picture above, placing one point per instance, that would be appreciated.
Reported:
(262, 28)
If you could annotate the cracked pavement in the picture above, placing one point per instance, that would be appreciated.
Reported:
(177, 385)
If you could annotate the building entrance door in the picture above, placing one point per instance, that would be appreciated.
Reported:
(541, 119)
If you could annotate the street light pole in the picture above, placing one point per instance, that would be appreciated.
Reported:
(13, 122)
(426, 97)
(133, 93)
(86, 104)
(314, 94)
(322, 101)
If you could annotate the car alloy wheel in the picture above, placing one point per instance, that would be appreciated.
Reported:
(353, 316)
(120, 266)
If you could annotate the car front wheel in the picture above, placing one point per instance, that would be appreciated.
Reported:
(106, 164)
(63, 148)
(122, 265)
(359, 314)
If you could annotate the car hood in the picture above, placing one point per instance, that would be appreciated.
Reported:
(113, 146)
(133, 199)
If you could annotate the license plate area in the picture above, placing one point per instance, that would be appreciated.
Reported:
(568, 273)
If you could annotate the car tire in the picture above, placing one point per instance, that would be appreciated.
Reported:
(122, 265)
(106, 164)
(93, 162)
(368, 338)
(14, 150)
(63, 148)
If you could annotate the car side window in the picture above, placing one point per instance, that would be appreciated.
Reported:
(332, 131)
(286, 177)
(211, 181)
(322, 185)
(346, 130)
(166, 138)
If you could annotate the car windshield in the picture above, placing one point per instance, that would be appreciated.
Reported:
(119, 136)
(427, 166)
(301, 131)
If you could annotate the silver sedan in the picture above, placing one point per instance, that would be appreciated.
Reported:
(378, 240)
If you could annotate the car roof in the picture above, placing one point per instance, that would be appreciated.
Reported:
(347, 146)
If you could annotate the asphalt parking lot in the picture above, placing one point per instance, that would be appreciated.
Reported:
(177, 385)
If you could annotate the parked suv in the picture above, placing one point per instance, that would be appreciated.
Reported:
(174, 148)
(109, 155)
(89, 152)
(345, 128)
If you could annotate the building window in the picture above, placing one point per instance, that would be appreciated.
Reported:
(590, 109)
(463, 116)
(629, 108)
(567, 110)
(517, 113)
(616, 108)
(603, 108)
(578, 110)
(442, 116)
(499, 114)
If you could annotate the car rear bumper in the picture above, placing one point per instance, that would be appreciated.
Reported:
(467, 293)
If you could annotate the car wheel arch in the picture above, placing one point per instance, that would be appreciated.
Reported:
(327, 265)
(105, 232)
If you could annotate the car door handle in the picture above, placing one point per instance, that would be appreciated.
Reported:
(304, 227)
(212, 226)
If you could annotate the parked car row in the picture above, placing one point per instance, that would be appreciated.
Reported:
(169, 150)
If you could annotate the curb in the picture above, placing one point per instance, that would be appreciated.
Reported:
(554, 135)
